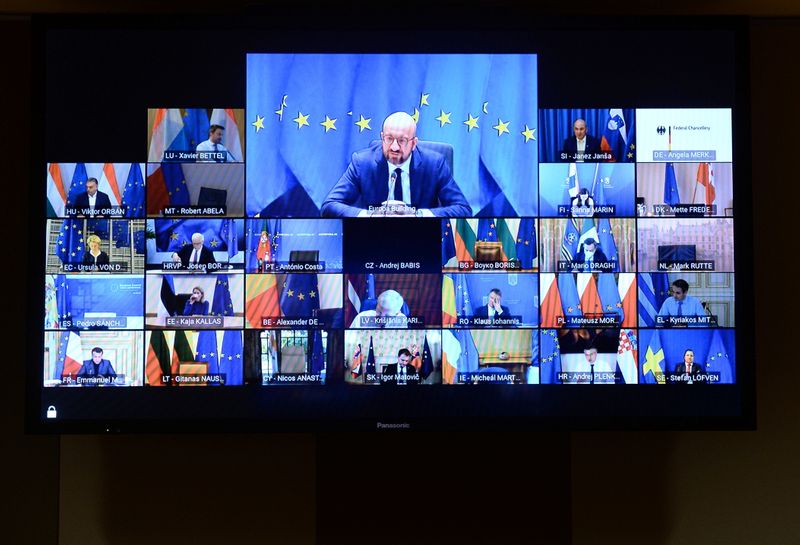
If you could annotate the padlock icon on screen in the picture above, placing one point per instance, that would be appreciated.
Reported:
(51, 412)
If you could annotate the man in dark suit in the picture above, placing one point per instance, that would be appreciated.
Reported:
(401, 372)
(97, 366)
(581, 146)
(589, 254)
(688, 370)
(87, 202)
(494, 309)
(195, 254)
(396, 174)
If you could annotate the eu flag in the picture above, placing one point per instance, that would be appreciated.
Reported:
(550, 362)
(671, 196)
(526, 242)
(570, 301)
(719, 361)
(207, 350)
(300, 296)
(195, 126)
(371, 358)
(70, 245)
(427, 361)
(222, 304)
(487, 231)
(607, 244)
(218, 235)
(231, 358)
(448, 243)
(175, 182)
(469, 361)
(316, 362)
(133, 194)
(78, 184)
(485, 106)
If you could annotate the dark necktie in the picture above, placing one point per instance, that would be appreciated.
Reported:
(591, 381)
(680, 308)
(398, 184)
(216, 150)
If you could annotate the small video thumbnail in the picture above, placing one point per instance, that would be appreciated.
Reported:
(490, 300)
(459, 137)
(684, 189)
(95, 190)
(296, 357)
(587, 190)
(685, 299)
(92, 358)
(198, 246)
(409, 358)
(588, 300)
(497, 356)
(591, 135)
(294, 300)
(687, 356)
(194, 358)
(686, 244)
(95, 245)
(201, 189)
(602, 245)
(195, 135)
(395, 301)
(195, 301)
(93, 302)
(684, 135)
(294, 245)
(489, 244)
(589, 356)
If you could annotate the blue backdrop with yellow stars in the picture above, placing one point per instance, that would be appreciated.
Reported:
(307, 113)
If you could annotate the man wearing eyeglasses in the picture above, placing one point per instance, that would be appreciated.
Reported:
(395, 178)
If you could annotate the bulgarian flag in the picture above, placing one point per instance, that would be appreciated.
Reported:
(507, 239)
(465, 241)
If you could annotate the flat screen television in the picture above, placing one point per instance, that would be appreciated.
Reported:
(240, 226)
